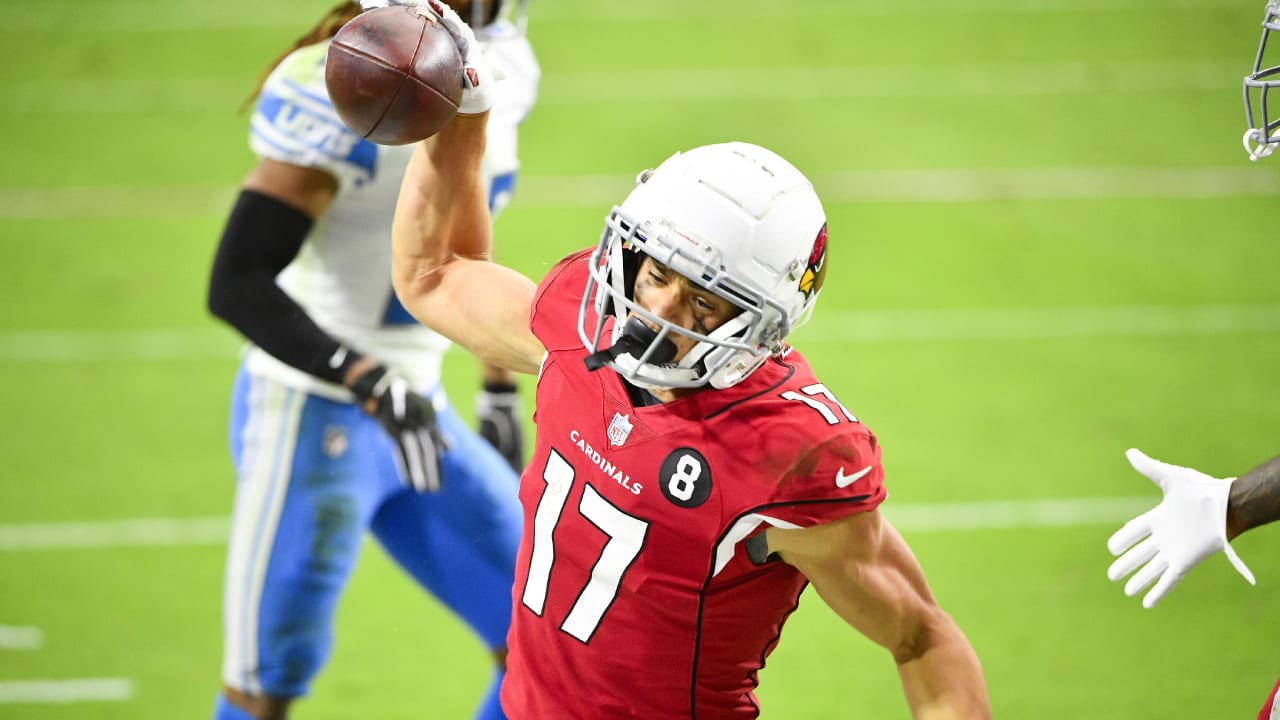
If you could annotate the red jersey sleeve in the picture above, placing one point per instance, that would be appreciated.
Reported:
(553, 316)
(839, 476)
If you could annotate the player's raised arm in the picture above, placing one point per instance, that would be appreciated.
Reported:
(864, 570)
(441, 235)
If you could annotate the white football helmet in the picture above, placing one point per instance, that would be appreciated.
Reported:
(1263, 135)
(735, 219)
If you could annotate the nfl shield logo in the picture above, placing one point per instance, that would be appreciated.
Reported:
(619, 429)
(335, 441)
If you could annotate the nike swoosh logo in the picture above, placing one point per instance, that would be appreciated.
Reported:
(843, 480)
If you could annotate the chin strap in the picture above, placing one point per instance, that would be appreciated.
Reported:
(636, 338)
(1255, 143)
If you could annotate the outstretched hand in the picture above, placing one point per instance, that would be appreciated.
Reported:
(1187, 526)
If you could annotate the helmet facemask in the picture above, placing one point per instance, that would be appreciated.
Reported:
(1263, 135)
(703, 221)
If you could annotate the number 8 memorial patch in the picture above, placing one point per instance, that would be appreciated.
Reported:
(685, 478)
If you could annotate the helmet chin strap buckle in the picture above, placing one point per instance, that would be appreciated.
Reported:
(1255, 143)
(636, 338)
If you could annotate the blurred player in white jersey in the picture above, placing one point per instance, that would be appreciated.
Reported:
(338, 422)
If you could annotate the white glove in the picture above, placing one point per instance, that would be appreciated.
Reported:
(477, 78)
(1188, 525)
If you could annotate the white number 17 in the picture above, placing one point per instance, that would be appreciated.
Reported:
(626, 539)
(820, 389)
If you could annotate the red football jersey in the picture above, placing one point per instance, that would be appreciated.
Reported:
(633, 595)
(1271, 709)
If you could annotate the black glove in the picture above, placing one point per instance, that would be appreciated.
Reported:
(498, 410)
(409, 419)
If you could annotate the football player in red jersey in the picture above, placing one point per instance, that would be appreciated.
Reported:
(691, 475)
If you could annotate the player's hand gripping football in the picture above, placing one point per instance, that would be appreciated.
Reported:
(409, 419)
(1188, 525)
(477, 78)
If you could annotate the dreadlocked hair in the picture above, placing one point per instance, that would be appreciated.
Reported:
(327, 27)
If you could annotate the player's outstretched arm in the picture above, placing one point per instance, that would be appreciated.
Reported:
(440, 253)
(865, 571)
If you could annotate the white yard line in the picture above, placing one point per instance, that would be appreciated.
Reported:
(114, 202)
(982, 185)
(831, 326)
(856, 82)
(20, 638)
(172, 532)
(1029, 323)
(599, 192)
(1016, 514)
(836, 9)
(613, 88)
(160, 344)
(66, 691)
(138, 17)
(143, 532)
(940, 186)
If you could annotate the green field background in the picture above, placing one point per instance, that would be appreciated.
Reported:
(1089, 165)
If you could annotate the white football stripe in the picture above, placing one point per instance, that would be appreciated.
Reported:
(696, 13)
(831, 83)
(695, 85)
(158, 344)
(66, 691)
(115, 202)
(142, 17)
(944, 186)
(1023, 323)
(832, 325)
(1015, 514)
(144, 532)
(916, 518)
(20, 638)
(602, 191)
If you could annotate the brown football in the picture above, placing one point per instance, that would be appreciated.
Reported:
(394, 75)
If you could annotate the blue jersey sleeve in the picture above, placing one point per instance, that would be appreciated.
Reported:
(294, 122)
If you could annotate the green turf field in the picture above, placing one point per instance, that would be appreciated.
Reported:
(1048, 246)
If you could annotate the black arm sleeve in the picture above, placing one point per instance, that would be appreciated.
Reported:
(261, 237)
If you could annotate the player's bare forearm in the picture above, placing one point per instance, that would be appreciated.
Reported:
(441, 214)
(493, 323)
(440, 253)
(941, 676)
(866, 573)
(1255, 498)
